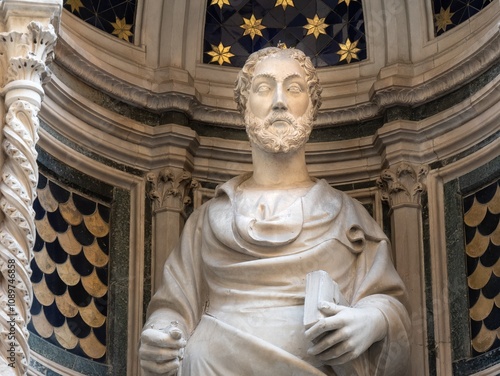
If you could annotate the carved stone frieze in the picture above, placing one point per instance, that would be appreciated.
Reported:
(403, 184)
(171, 189)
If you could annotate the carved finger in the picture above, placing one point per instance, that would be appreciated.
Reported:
(160, 338)
(328, 341)
(323, 326)
(160, 369)
(330, 308)
(158, 355)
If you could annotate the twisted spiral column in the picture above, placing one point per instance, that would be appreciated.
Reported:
(24, 55)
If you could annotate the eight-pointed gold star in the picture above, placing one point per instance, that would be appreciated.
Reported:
(220, 3)
(220, 54)
(284, 3)
(316, 26)
(348, 50)
(344, 1)
(252, 26)
(75, 5)
(122, 30)
(443, 19)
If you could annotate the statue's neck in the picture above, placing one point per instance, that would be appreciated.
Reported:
(279, 170)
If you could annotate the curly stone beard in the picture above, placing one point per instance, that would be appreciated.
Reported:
(288, 136)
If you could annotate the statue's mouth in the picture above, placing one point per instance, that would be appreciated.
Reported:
(281, 123)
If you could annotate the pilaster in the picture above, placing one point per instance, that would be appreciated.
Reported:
(26, 45)
(402, 186)
(170, 192)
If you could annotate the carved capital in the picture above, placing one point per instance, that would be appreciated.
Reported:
(403, 184)
(24, 55)
(171, 189)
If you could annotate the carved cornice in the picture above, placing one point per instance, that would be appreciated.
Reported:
(452, 79)
(403, 184)
(456, 76)
(171, 190)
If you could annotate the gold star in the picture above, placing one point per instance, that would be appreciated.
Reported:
(344, 1)
(75, 4)
(252, 26)
(443, 19)
(220, 3)
(284, 3)
(122, 30)
(348, 50)
(316, 26)
(220, 54)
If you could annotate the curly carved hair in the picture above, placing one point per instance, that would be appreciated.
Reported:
(244, 79)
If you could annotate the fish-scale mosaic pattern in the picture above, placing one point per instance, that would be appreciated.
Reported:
(330, 32)
(482, 237)
(70, 271)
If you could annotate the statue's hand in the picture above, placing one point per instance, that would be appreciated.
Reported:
(345, 333)
(161, 350)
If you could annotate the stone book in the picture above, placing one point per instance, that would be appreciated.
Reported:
(319, 287)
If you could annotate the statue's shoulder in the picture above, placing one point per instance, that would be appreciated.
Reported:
(350, 212)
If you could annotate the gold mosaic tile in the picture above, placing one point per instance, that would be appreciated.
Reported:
(475, 214)
(65, 337)
(66, 282)
(66, 305)
(42, 326)
(482, 308)
(92, 346)
(42, 293)
(480, 277)
(48, 202)
(95, 255)
(94, 286)
(484, 340)
(494, 204)
(495, 236)
(45, 230)
(67, 273)
(44, 261)
(92, 316)
(69, 243)
(96, 225)
(477, 245)
(496, 268)
(70, 213)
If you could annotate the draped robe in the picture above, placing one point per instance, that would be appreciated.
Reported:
(236, 282)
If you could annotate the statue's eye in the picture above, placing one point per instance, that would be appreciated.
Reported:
(294, 88)
(263, 88)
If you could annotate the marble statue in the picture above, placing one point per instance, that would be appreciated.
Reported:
(232, 297)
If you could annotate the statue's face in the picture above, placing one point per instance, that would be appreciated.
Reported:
(278, 114)
(278, 84)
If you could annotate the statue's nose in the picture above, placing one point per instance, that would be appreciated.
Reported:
(279, 102)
